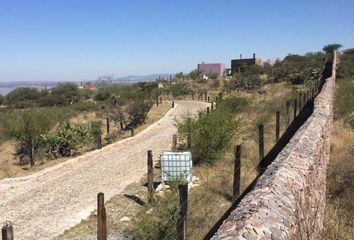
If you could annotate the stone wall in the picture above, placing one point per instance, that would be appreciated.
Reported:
(289, 198)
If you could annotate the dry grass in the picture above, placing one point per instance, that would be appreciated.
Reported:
(339, 221)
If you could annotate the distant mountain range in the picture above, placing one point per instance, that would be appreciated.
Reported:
(137, 78)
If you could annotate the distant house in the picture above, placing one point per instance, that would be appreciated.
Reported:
(238, 64)
(211, 68)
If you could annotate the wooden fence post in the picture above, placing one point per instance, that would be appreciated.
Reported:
(183, 206)
(208, 98)
(101, 218)
(287, 113)
(7, 231)
(173, 104)
(99, 140)
(150, 177)
(174, 142)
(132, 132)
(107, 124)
(121, 125)
(237, 173)
(261, 141)
(295, 108)
(277, 125)
(208, 110)
(212, 106)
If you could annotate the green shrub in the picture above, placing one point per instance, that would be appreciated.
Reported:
(179, 89)
(245, 81)
(296, 78)
(208, 135)
(52, 100)
(69, 138)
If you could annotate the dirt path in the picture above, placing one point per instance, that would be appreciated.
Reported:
(43, 205)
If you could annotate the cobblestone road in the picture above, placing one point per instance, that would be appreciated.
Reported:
(43, 205)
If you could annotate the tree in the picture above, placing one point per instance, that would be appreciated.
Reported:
(179, 75)
(195, 74)
(116, 114)
(331, 48)
(1, 99)
(27, 129)
(137, 112)
(22, 97)
(213, 76)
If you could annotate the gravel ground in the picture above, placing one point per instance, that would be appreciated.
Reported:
(43, 205)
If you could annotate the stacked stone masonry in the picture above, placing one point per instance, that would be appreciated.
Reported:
(289, 198)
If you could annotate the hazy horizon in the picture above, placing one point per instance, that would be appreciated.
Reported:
(81, 40)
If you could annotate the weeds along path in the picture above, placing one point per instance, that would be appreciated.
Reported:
(43, 205)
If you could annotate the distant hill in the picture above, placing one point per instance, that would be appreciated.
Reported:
(138, 78)
(6, 87)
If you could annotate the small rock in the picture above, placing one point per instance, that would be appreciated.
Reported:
(125, 219)
(149, 211)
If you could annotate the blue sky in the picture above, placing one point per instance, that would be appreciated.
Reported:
(78, 40)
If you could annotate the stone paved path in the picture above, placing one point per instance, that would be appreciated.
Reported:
(43, 205)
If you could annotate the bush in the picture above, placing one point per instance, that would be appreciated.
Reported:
(296, 78)
(69, 138)
(195, 74)
(179, 89)
(208, 135)
(52, 100)
(244, 81)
